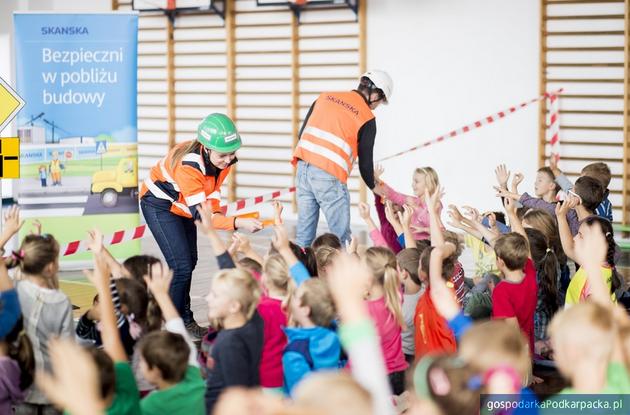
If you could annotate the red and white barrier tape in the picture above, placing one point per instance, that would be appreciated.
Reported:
(117, 238)
(554, 126)
(231, 208)
(139, 232)
(477, 124)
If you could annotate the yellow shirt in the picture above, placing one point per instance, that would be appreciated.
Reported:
(579, 290)
(483, 255)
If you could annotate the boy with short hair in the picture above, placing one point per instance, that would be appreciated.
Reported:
(515, 297)
(599, 171)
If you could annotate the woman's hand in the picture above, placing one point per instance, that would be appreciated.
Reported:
(249, 224)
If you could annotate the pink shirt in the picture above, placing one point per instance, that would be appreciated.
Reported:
(420, 215)
(389, 332)
(274, 342)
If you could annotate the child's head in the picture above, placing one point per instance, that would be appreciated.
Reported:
(425, 178)
(584, 332)
(164, 357)
(448, 266)
(496, 343)
(138, 266)
(382, 262)
(232, 292)
(542, 221)
(444, 385)
(590, 191)
(546, 269)
(599, 171)
(545, 183)
(607, 230)
(20, 349)
(408, 262)
(138, 305)
(106, 373)
(38, 256)
(512, 251)
(325, 255)
(327, 239)
(343, 395)
(251, 265)
(312, 303)
(275, 277)
(305, 255)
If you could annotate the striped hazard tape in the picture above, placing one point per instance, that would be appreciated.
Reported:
(477, 124)
(139, 232)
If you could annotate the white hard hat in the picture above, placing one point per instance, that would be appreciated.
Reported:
(382, 81)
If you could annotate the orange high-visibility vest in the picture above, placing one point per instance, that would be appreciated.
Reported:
(329, 138)
(191, 182)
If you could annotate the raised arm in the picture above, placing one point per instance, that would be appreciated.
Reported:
(588, 248)
(348, 279)
(443, 298)
(11, 226)
(280, 241)
(109, 323)
(433, 204)
(405, 221)
(158, 283)
(503, 175)
(515, 223)
(457, 221)
(566, 237)
(392, 218)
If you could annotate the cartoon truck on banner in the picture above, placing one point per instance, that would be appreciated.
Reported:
(123, 180)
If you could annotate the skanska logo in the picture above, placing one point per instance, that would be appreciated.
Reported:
(65, 30)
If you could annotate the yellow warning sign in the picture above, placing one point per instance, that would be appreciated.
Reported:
(9, 158)
(10, 103)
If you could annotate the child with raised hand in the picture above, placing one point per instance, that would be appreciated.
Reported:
(433, 336)
(119, 392)
(599, 171)
(47, 311)
(515, 297)
(588, 193)
(424, 179)
(384, 304)
(17, 363)
(169, 358)
(579, 287)
(348, 280)
(593, 360)
(545, 187)
(236, 349)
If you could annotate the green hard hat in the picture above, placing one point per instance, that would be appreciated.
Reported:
(217, 132)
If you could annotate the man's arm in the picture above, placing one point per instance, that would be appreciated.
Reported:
(367, 135)
(308, 115)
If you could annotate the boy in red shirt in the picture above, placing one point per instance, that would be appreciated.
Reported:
(514, 298)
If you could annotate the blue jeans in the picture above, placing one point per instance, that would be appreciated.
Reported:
(177, 238)
(316, 190)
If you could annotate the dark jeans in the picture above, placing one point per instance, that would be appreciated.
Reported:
(177, 238)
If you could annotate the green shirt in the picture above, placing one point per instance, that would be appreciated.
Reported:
(126, 396)
(184, 398)
(617, 381)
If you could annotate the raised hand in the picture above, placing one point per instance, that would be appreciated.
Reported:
(352, 247)
(364, 211)
(243, 242)
(510, 207)
(433, 200)
(405, 216)
(378, 172)
(159, 279)
(518, 178)
(205, 224)
(456, 216)
(37, 227)
(277, 212)
(12, 222)
(562, 208)
(472, 213)
(95, 241)
(502, 174)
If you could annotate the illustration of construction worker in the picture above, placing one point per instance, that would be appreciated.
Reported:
(55, 167)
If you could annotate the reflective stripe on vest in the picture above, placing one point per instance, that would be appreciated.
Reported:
(157, 192)
(329, 139)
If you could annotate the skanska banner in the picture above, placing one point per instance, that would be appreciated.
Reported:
(77, 74)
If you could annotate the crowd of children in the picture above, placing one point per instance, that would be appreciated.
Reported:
(393, 328)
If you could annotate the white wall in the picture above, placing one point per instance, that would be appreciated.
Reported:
(453, 62)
